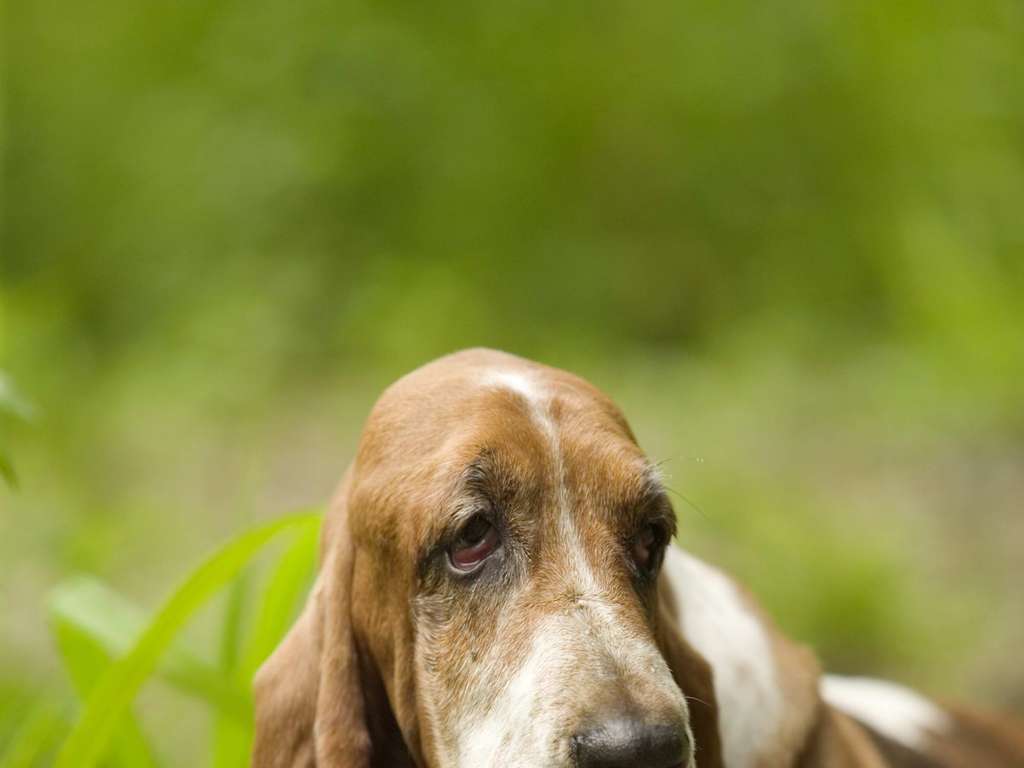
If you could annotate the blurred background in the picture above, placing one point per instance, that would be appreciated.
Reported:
(788, 240)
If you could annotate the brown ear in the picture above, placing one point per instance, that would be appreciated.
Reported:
(695, 679)
(310, 708)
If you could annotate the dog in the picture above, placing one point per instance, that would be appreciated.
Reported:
(498, 587)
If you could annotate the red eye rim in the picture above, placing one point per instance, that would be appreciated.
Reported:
(648, 547)
(477, 541)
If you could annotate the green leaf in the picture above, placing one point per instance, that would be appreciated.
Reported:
(13, 402)
(38, 730)
(85, 661)
(115, 624)
(91, 734)
(279, 602)
(281, 599)
(7, 470)
(231, 738)
(234, 618)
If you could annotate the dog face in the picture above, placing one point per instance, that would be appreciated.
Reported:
(501, 536)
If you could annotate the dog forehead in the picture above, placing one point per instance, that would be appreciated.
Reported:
(482, 397)
(538, 428)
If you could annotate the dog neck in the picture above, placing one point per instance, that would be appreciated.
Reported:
(765, 685)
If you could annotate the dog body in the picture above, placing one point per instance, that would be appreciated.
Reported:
(497, 589)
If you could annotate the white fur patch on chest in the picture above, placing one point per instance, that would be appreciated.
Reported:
(894, 711)
(718, 624)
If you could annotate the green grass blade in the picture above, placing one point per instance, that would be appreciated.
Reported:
(234, 621)
(278, 604)
(91, 734)
(33, 737)
(98, 611)
(7, 471)
(232, 744)
(85, 660)
(115, 624)
(281, 598)
(231, 738)
(12, 402)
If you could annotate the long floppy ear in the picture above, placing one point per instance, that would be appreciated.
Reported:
(695, 679)
(310, 707)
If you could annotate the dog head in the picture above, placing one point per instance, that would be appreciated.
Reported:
(489, 591)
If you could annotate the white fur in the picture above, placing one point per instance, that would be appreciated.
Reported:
(523, 385)
(894, 711)
(722, 629)
(537, 398)
(524, 724)
(515, 712)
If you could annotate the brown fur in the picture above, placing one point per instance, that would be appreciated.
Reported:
(838, 742)
(976, 740)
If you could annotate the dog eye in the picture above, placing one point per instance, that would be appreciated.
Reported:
(649, 546)
(477, 541)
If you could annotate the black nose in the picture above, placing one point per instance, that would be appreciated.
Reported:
(631, 743)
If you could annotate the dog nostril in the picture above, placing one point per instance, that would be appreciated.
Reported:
(630, 743)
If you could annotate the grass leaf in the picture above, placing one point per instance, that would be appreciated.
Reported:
(91, 734)
(232, 738)
(7, 471)
(281, 598)
(37, 731)
(115, 624)
(85, 660)
(12, 402)
(234, 620)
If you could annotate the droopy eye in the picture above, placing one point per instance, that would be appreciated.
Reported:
(649, 546)
(477, 541)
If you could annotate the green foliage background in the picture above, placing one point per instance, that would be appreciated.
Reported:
(787, 238)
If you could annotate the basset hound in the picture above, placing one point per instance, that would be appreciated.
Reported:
(498, 588)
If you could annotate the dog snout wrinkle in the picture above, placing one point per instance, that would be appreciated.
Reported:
(626, 742)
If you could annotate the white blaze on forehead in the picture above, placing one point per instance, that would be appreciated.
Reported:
(536, 396)
(518, 382)
(724, 631)
(894, 711)
(530, 390)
